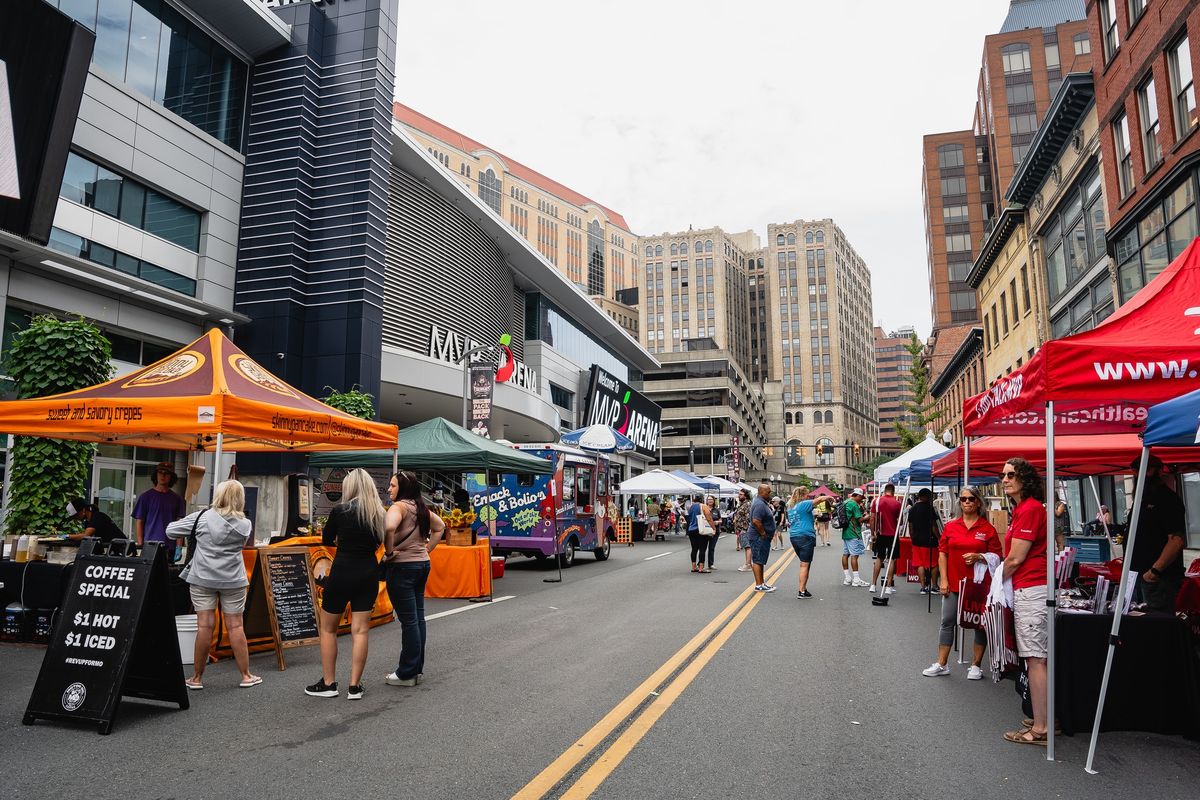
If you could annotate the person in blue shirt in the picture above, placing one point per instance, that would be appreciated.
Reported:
(802, 530)
(762, 520)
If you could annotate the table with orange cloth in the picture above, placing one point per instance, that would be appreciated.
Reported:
(460, 571)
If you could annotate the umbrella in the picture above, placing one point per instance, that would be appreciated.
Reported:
(598, 438)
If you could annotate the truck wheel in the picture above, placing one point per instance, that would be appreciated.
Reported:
(567, 557)
(601, 553)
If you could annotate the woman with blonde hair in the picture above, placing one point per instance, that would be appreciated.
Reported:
(218, 574)
(802, 533)
(356, 528)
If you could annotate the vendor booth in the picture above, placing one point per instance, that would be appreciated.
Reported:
(1099, 381)
(208, 397)
(437, 445)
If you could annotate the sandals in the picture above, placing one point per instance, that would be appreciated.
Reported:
(193, 684)
(1027, 724)
(255, 680)
(704, 570)
(1025, 736)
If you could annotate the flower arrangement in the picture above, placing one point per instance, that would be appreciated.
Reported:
(456, 518)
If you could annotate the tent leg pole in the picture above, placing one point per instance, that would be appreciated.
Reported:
(1118, 612)
(395, 461)
(1051, 585)
(966, 461)
(216, 476)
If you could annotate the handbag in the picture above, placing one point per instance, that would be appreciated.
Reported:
(703, 528)
(191, 547)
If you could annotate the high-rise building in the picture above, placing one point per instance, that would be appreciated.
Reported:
(590, 243)
(893, 369)
(965, 172)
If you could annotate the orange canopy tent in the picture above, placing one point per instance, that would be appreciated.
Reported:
(208, 396)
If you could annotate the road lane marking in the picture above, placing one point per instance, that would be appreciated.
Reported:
(471, 607)
(660, 555)
(552, 775)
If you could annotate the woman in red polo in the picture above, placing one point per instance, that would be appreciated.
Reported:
(1025, 565)
(964, 540)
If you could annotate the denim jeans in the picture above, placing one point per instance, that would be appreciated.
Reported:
(406, 590)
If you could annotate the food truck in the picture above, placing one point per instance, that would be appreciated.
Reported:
(543, 515)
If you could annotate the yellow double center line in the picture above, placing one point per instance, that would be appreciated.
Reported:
(695, 655)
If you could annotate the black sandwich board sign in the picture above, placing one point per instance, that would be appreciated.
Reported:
(283, 582)
(114, 637)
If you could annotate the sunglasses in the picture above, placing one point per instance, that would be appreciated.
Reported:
(1010, 474)
(967, 500)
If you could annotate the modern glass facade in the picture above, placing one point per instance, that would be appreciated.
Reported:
(544, 322)
(96, 187)
(595, 261)
(153, 48)
(73, 245)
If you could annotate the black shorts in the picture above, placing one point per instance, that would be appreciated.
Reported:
(354, 583)
(883, 547)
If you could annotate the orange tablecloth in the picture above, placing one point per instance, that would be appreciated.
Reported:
(460, 571)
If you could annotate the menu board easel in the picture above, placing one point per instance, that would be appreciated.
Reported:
(282, 576)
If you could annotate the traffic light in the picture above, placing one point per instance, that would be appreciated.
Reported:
(820, 449)
(857, 451)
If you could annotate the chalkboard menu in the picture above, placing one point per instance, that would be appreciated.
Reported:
(287, 582)
(114, 637)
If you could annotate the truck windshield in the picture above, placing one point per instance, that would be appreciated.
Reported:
(583, 487)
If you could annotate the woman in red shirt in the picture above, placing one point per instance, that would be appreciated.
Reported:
(1025, 565)
(964, 540)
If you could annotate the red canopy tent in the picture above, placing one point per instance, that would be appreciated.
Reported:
(822, 491)
(1099, 381)
(1103, 380)
(1104, 454)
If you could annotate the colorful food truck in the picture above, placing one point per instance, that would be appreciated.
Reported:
(545, 515)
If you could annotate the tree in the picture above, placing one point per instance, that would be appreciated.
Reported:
(868, 467)
(921, 406)
(51, 356)
(354, 402)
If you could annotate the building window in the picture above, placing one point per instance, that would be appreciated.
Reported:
(1108, 28)
(1052, 56)
(1083, 45)
(954, 186)
(1022, 123)
(1136, 9)
(1003, 314)
(954, 214)
(1162, 234)
(958, 242)
(1120, 130)
(91, 185)
(1074, 238)
(489, 189)
(1148, 112)
(1016, 59)
(595, 263)
(962, 301)
(563, 398)
(159, 53)
(71, 244)
(1020, 93)
(808, 236)
(1025, 288)
(949, 157)
(1183, 92)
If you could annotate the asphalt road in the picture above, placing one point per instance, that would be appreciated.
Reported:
(820, 698)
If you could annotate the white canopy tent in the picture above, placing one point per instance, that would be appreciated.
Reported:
(928, 448)
(656, 481)
(724, 487)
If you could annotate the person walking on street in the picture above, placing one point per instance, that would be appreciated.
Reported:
(677, 513)
(742, 528)
(885, 518)
(803, 535)
(1025, 566)
(217, 574)
(355, 528)
(923, 526)
(780, 511)
(964, 541)
(852, 542)
(763, 520)
(714, 519)
(412, 531)
(697, 511)
(822, 513)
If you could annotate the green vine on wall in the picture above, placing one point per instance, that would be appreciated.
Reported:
(49, 357)
(354, 402)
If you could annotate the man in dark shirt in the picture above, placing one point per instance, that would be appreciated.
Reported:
(1157, 557)
(95, 522)
(762, 523)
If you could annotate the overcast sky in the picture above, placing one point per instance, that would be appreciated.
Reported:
(715, 112)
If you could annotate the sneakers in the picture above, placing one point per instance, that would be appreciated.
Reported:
(974, 673)
(765, 588)
(355, 692)
(743, 568)
(924, 590)
(392, 679)
(846, 582)
(936, 670)
(858, 582)
(890, 590)
(803, 595)
(321, 689)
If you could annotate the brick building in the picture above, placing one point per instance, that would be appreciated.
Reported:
(893, 367)
(1150, 153)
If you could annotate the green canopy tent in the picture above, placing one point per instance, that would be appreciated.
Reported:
(441, 446)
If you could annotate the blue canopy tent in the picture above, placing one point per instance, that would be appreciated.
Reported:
(1172, 430)
(700, 483)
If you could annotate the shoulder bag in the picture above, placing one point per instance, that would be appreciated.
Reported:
(703, 527)
(191, 546)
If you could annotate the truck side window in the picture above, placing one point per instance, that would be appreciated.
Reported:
(524, 479)
(583, 485)
(602, 483)
(494, 478)
(568, 483)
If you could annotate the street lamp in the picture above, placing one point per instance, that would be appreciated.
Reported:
(661, 432)
(947, 437)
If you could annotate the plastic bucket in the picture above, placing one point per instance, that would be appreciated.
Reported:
(497, 566)
(185, 629)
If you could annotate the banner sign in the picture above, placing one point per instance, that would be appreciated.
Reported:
(610, 401)
(483, 378)
(733, 464)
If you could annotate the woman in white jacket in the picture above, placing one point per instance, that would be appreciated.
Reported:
(217, 572)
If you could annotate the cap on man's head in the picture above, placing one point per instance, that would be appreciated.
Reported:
(76, 507)
(854, 492)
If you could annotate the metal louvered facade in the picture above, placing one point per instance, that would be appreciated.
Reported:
(441, 269)
(318, 147)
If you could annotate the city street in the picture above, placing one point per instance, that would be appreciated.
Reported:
(590, 687)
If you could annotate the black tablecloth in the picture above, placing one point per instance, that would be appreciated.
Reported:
(1155, 682)
(639, 530)
(37, 584)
